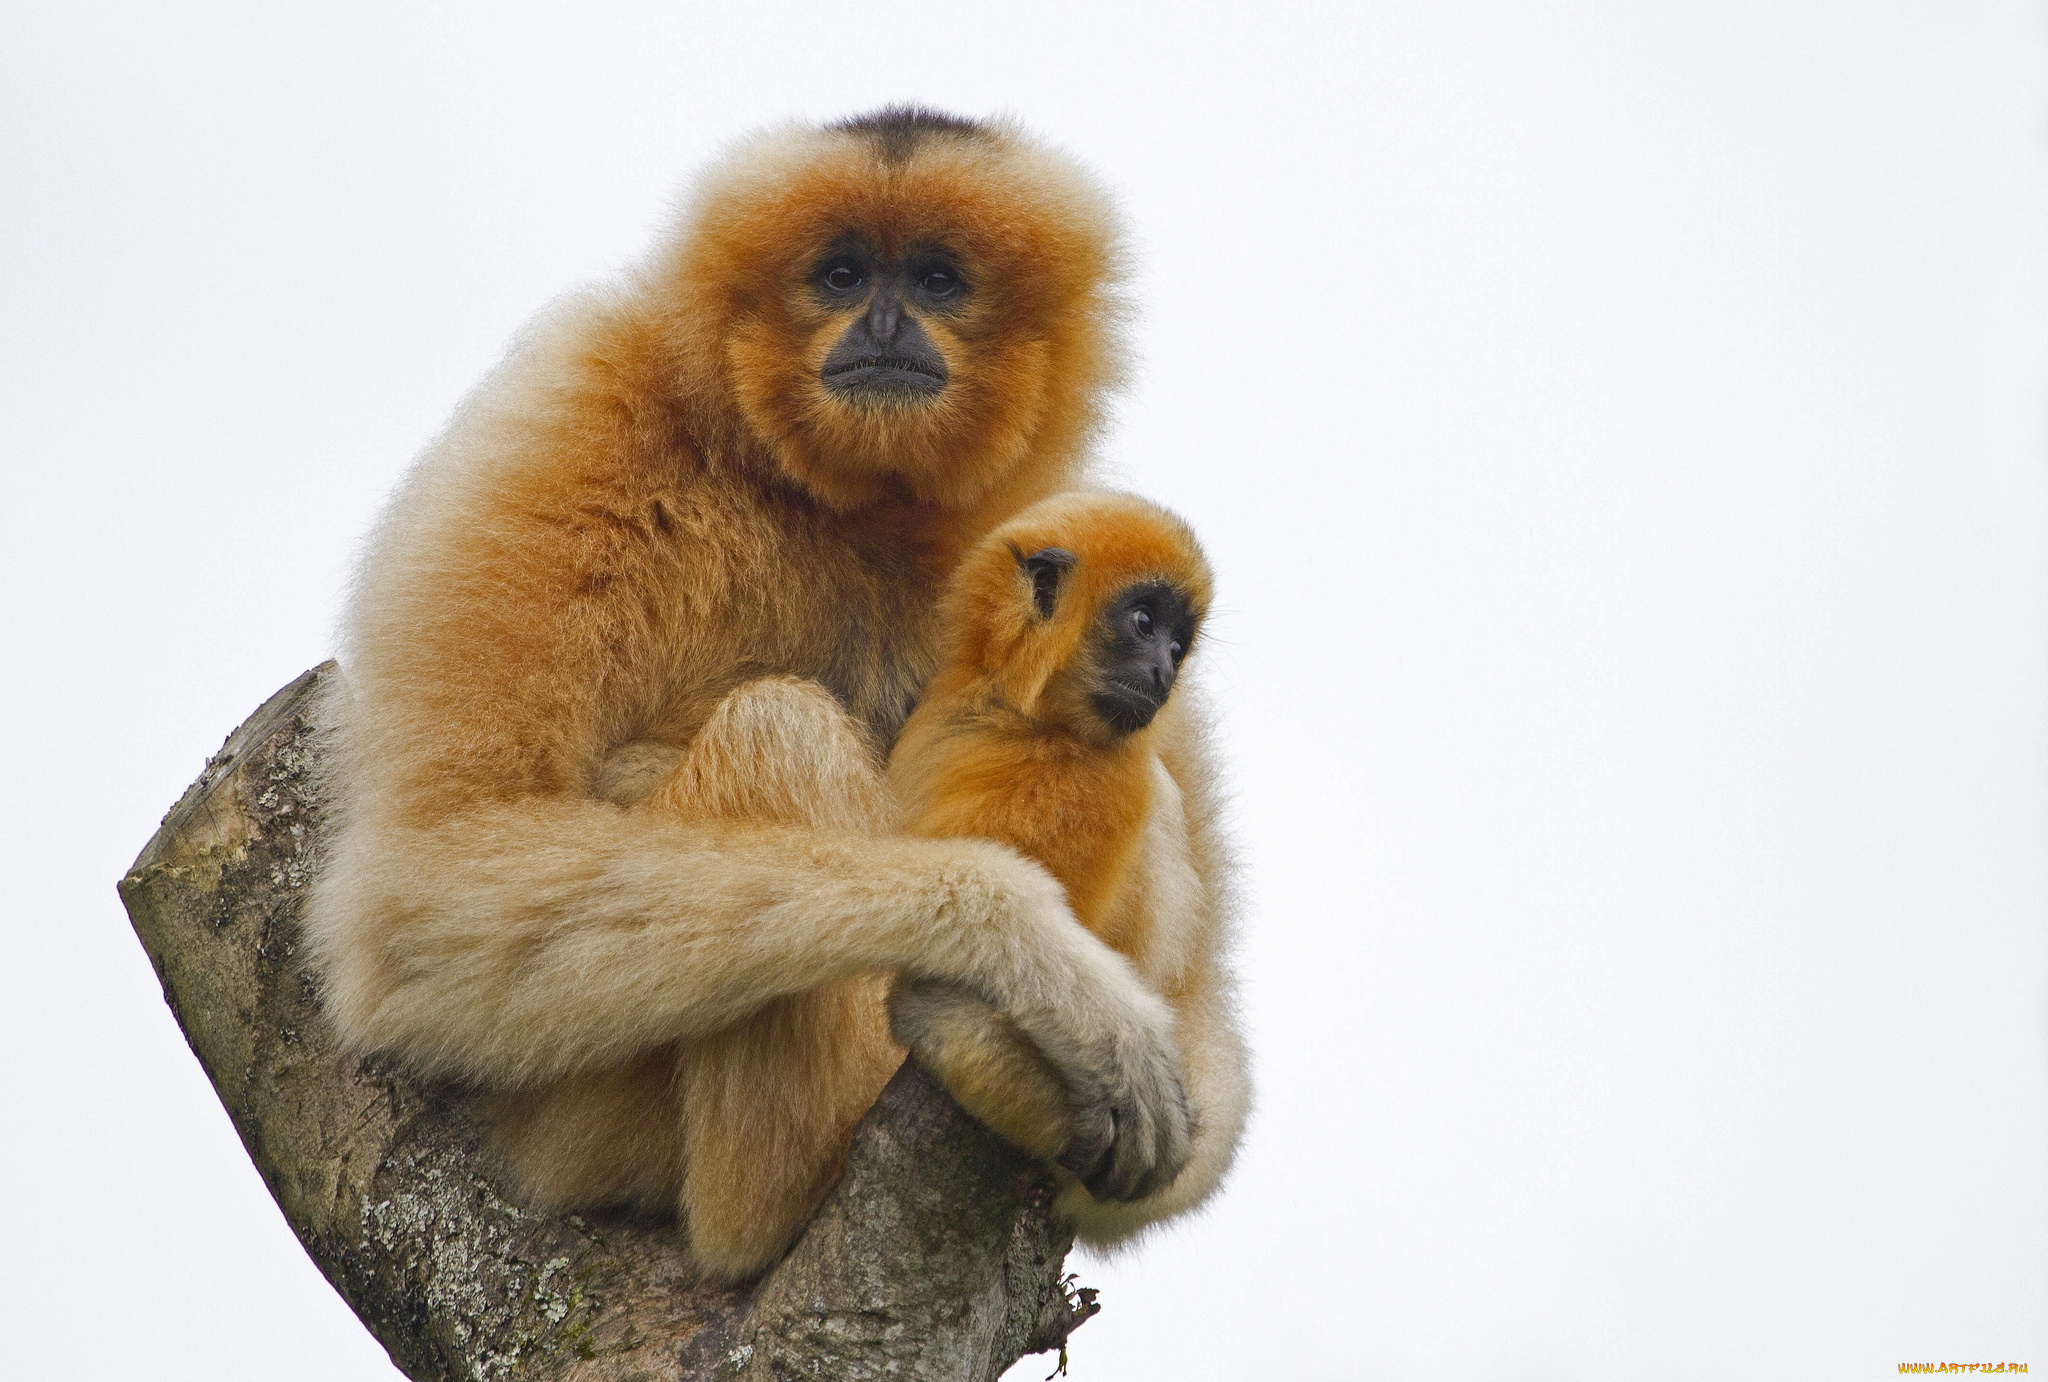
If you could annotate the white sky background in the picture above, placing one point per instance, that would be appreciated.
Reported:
(1620, 433)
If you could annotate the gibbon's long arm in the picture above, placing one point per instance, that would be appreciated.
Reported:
(527, 940)
(522, 614)
(540, 938)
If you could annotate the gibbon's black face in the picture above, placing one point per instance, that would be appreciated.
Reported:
(1143, 635)
(884, 355)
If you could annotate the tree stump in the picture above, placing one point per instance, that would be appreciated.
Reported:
(937, 1257)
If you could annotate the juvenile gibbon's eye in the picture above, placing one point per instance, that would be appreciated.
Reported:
(842, 278)
(1141, 620)
(1176, 651)
(940, 283)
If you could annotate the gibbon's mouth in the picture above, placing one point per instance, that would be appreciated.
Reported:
(886, 374)
(1126, 708)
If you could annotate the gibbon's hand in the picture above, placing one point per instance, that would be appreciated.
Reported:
(1132, 1122)
(1132, 1127)
(1088, 1075)
(1110, 1038)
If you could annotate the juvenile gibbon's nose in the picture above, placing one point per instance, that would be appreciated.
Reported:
(1162, 671)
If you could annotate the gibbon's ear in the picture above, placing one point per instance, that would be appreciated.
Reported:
(1045, 567)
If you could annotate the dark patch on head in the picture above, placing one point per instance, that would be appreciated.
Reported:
(898, 131)
(1044, 569)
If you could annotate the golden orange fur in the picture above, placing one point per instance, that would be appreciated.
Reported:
(621, 667)
(1005, 746)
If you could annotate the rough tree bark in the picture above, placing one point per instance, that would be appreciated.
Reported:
(937, 1257)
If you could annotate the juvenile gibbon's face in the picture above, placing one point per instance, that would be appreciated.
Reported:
(1116, 679)
(1082, 610)
(911, 304)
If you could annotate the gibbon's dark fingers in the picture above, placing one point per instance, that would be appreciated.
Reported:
(1132, 1127)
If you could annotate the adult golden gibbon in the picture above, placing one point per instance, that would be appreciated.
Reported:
(1048, 726)
(626, 655)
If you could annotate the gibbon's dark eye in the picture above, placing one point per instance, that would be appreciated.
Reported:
(1141, 620)
(842, 278)
(1177, 651)
(940, 283)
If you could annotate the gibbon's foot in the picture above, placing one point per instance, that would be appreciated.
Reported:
(1097, 1123)
(983, 1061)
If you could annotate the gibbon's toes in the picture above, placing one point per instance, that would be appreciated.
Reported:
(983, 1061)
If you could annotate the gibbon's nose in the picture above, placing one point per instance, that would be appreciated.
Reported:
(1160, 663)
(885, 316)
(884, 351)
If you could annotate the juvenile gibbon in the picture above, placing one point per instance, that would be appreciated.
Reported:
(626, 655)
(1048, 727)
